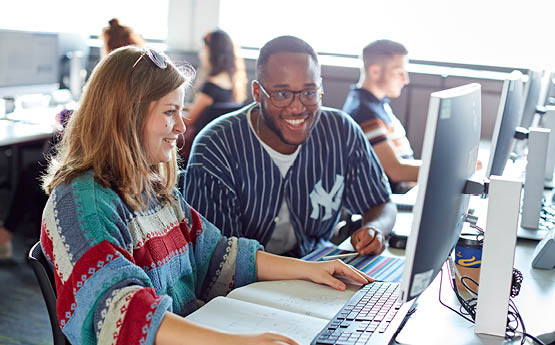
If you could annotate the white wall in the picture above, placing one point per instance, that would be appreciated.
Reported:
(189, 20)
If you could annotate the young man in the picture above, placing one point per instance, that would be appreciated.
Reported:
(383, 77)
(280, 170)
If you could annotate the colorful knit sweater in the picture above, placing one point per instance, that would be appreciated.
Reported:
(118, 271)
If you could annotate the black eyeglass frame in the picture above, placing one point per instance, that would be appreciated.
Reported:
(319, 89)
(155, 57)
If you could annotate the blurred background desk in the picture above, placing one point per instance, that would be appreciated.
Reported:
(13, 133)
(23, 136)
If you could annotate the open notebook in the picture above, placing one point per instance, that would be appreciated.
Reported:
(296, 308)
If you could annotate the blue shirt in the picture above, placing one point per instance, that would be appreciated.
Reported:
(234, 183)
(377, 120)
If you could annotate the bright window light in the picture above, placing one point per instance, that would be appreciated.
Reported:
(147, 17)
(508, 33)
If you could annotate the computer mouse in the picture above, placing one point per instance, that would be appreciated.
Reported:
(397, 241)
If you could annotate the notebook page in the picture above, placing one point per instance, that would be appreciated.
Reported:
(239, 317)
(298, 296)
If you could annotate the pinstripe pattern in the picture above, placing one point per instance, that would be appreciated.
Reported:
(234, 183)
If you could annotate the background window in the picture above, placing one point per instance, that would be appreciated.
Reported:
(147, 18)
(508, 33)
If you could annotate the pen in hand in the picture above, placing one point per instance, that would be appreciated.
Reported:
(339, 256)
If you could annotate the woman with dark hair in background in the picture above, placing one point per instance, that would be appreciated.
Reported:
(221, 79)
(116, 35)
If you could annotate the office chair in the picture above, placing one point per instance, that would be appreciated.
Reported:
(208, 114)
(45, 276)
(214, 111)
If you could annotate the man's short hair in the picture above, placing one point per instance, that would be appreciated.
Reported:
(282, 44)
(380, 51)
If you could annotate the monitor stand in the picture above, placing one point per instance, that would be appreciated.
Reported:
(531, 234)
(533, 185)
(548, 121)
(498, 256)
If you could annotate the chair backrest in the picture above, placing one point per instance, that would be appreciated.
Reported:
(208, 114)
(45, 276)
(214, 111)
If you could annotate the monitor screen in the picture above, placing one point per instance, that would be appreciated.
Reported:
(449, 155)
(508, 116)
(546, 88)
(28, 62)
(532, 97)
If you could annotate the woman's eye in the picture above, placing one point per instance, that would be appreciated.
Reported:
(170, 112)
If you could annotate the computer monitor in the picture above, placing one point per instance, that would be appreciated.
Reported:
(508, 116)
(449, 155)
(546, 88)
(532, 92)
(28, 62)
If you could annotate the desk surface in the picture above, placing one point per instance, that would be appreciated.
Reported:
(432, 323)
(28, 125)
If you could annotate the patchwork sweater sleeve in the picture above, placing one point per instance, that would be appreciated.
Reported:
(103, 296)
(223, 263)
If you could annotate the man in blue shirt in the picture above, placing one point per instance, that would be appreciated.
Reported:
(383, 77)
(282, 169)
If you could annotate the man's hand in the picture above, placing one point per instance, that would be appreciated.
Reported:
(368, 240)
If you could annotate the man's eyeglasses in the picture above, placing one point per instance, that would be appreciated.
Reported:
(157, 58)
(284, 98)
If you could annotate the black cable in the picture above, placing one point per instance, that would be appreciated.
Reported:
(463, 282)
(538, 341)
(470, 310)
(445, 305)
(469, 305)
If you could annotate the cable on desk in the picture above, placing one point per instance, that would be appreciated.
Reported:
(468, 306)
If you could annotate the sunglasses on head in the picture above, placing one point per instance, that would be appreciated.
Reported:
(155, 57)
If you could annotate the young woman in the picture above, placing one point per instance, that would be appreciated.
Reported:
(221, 80)
(130, 255)
(222, 76)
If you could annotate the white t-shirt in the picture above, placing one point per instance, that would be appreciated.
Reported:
(283, 238)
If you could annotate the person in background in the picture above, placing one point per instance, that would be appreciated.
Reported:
(116, 35)
(383, 77)
(222, 75)
(130, 256)
(222, 79)
(281, 170)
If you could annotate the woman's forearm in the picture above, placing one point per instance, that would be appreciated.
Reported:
(176, 330)
(275, 267)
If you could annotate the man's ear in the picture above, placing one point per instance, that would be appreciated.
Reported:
(255, 87)
(374, 71)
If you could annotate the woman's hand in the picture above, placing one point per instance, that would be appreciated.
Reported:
(275, 267)
(256, 339)
(323, 273)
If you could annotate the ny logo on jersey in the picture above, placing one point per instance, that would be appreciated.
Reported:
(329, 201)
